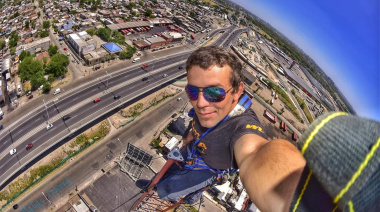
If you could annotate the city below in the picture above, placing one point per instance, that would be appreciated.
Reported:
(92, 98)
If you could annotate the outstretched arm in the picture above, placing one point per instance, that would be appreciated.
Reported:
(270, 171)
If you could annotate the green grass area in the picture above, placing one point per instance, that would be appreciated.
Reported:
(303, 106)
(22, 184)
(210, 2)
(286, 100)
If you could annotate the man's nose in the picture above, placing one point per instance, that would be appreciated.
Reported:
(201, 101)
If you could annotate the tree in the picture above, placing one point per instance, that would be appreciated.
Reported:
(104, 33)
(55, 69)
(52, 50)
(46, 86)
(293, 92)
(26, 24)
(12, 51)
(38, 14)
(148, 12)
(29, 67)
(91, 31)
(73, 12)
(46, 24)
(141, 3)
(37, 80)
(44, 34)
(133, 13)
(192, 14)
(302, 105)
(23, 55)
(131, 5)
(2, 44)
(60, 59)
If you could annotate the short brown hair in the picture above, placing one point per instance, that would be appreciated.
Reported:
(208, 56)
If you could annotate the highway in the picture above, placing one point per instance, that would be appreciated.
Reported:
(79, 104)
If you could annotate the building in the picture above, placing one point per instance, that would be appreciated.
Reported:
(81, 42)
(94, 57)
(156, 42)
(37, 46)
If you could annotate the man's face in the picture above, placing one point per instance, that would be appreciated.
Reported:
(211, 113)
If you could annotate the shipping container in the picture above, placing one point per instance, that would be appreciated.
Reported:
(272, 118)
(294, 137)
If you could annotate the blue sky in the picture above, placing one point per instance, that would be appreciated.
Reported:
(341, 36)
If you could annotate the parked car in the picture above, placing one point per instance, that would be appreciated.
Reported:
(116, 96)
(65, 49)
(12, 152)
(180, 67)
(57, 91)
(30, 97)
(15, 206)
(1, 127)
(66, 117)
(165, 75)
(49, 126)
(145, 79)
(29, 146)
(29, 93)
(96, 100)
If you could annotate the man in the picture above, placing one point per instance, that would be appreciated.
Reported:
(273, 173)
(215, 84)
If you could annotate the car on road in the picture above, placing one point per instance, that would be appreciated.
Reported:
(116, 96)
(165, 75)
(49, 126)
(174, 115)
(144, 66)
(12, 152)
(145, 79)
(180, 67)
(29, 146)
(96, 100)
(66, 117)
(179, 99)
(30, 97)
(1, 127)
(57, 91)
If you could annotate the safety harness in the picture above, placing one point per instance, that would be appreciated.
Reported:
(195, 161)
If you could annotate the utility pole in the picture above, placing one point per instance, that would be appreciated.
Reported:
(107, 78)
(46, 111)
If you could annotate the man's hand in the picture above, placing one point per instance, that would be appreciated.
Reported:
(270, 171)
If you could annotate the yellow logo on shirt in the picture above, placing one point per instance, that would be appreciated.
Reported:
(254, 127)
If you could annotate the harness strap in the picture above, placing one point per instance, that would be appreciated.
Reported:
(195, 161)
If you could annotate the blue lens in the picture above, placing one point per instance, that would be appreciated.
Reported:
(214, 94)
(192, 92)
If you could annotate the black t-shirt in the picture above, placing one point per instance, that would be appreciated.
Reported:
(216, 148)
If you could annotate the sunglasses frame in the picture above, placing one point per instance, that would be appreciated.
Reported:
(205, 93)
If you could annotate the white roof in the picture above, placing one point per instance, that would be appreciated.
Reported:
(171, 143)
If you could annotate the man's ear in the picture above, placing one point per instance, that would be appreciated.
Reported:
(238, 92)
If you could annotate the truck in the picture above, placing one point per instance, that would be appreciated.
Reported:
(294, 136)
(272, 118)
